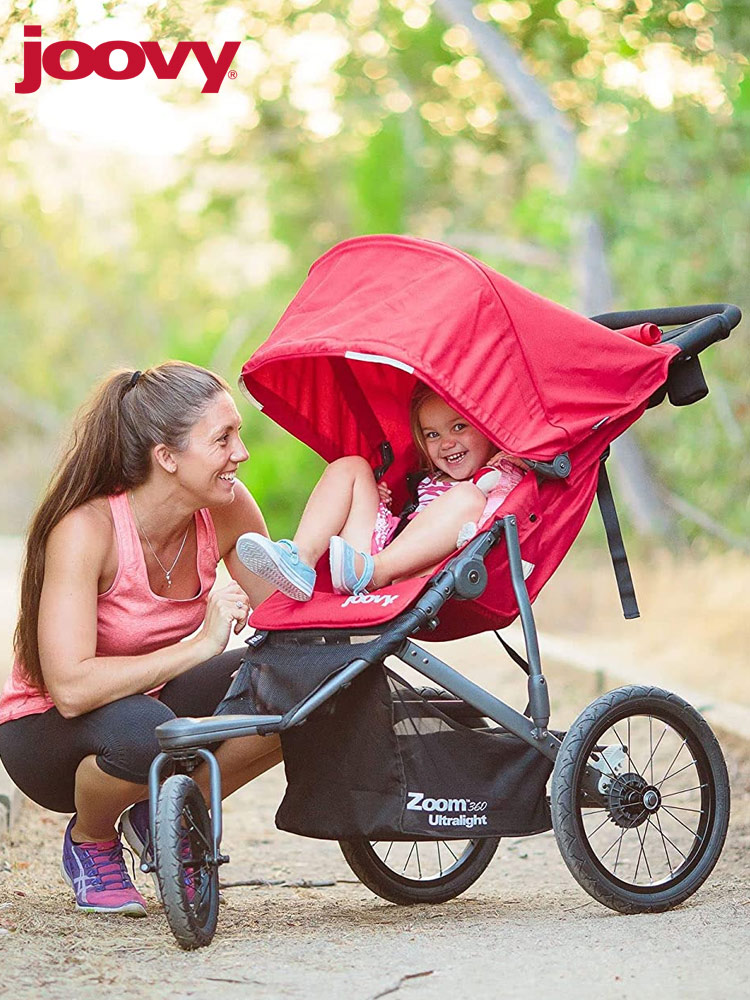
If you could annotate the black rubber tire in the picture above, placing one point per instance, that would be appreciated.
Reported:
(397, 888)
(182, 809)
(621, 707)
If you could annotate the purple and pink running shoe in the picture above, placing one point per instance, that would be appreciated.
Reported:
(134, 826)
(97, 874)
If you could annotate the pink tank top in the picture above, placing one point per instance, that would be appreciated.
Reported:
(130, 618)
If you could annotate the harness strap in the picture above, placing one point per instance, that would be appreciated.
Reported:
(615, 543)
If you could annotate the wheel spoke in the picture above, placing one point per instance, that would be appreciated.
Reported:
(682, 791)
(650, 761)
(408, 856)
(651, 747)
(619, 846)
(455, 856)
(674, 775)
(605, 820)
(664, 843)
(440, 863)
(615, 841)
(668, 840)
(419, 865)
(626, 747)
(669, 769)
(642, 852)
(678, 820)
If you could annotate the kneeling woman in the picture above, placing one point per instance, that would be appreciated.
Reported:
(118, 631)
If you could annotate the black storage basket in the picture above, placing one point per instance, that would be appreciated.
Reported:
(380, 761)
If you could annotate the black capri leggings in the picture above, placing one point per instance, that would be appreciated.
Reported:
(41, 753)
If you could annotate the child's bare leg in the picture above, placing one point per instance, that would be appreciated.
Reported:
(345, 502)
(430, 536)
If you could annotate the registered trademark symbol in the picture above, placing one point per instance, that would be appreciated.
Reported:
(232, 74)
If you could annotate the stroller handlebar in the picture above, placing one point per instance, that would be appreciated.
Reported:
(701, 326)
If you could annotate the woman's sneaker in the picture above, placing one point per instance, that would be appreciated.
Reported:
(344, 576)
(97, 874)
(278, 563)
(134, 826)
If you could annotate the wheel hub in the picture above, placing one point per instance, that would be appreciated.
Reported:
(631, 800)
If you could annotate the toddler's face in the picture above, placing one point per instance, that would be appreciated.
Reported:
(455, 447)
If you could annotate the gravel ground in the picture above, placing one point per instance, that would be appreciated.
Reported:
(525, 924)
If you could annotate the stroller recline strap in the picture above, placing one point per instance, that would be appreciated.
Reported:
(516, 657)
(616, 544)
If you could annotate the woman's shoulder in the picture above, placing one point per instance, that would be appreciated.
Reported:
(233, 519)
(88, 527)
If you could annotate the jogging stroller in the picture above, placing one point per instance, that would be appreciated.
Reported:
(418, 784)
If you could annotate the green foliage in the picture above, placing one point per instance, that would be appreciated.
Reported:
(103, 265)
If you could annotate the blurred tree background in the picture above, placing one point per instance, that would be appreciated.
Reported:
(142, 220)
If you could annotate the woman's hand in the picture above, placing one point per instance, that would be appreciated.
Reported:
(384, 493)
(228, 608)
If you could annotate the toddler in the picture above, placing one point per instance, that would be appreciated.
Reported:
(349, 514)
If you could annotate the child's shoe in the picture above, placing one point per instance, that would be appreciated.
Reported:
(343, 574)
(97, 874)
(278, 563)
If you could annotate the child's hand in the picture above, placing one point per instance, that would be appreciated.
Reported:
(384, 493)
(500, 455)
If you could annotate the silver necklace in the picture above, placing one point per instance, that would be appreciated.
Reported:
(167, 572)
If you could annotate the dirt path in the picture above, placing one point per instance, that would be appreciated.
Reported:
(525, 924)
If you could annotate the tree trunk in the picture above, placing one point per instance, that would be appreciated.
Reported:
(641, 494)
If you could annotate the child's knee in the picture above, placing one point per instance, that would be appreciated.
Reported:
(351, 466)
(469, 500)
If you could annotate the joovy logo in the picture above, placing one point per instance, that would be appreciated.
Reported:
(384, 599)
(98, 60)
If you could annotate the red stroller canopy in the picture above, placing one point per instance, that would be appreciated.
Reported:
(376, 314)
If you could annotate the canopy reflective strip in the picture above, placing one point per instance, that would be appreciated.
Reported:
(247, 394)
(379, 359)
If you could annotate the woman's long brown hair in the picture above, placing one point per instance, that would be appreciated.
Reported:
(109, 452)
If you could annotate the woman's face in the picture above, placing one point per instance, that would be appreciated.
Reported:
(208, 465)
(454, 446)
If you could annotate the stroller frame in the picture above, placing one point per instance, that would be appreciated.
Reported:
(593, 769)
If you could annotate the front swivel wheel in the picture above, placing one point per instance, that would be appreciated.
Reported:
(640, 800)
(186, 869)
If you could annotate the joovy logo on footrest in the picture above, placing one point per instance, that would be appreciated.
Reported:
(96, 59)
(384, 599)
(438, 810)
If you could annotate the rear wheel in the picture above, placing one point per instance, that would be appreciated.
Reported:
(423, 871)
(419, 871)
(640, 800)
(188, 877)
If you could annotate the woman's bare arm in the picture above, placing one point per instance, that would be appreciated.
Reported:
(79, 681)
(241, 515)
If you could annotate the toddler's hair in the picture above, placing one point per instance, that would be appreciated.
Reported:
(419, 397)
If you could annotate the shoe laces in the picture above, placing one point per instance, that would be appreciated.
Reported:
(104, 864)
